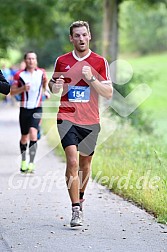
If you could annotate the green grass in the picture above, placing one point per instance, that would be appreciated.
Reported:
(129, 163)
(135, 168)
(157, 102)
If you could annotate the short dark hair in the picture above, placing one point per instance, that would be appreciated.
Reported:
(25, 55)
(78, 24)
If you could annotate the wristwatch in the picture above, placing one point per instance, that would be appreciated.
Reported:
(93, 78)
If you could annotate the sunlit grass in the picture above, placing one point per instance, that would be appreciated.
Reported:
(156, 64)
(135, 168)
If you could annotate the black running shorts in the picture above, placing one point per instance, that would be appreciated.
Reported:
(83, 136)
(29, 118)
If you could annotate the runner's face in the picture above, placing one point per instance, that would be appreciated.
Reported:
(31, 61)
(80, 39)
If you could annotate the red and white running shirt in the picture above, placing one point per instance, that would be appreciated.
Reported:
(76, 106)
(32, 98)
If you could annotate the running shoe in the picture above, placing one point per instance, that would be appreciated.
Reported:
(23, 166)
(31, 167)
(76, 217)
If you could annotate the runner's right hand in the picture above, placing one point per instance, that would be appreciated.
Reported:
(27, 87)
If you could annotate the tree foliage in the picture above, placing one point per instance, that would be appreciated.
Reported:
(143, 30)
(44, 25)
(24, 19)
(153, 1)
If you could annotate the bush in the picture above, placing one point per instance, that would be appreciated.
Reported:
(140, 119)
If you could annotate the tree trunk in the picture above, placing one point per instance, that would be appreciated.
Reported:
(110, 32)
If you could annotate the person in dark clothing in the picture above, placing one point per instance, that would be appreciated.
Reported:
(4, 85)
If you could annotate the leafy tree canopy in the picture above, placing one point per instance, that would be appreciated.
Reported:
(24, 18)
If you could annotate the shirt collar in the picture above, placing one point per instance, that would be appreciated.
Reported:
(83, 58)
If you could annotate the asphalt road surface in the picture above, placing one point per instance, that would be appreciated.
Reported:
(35, 210)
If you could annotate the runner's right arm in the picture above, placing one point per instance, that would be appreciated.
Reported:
(4, 85)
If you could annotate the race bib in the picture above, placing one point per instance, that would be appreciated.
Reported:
(78, 93)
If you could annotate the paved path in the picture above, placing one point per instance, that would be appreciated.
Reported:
(35, 209)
